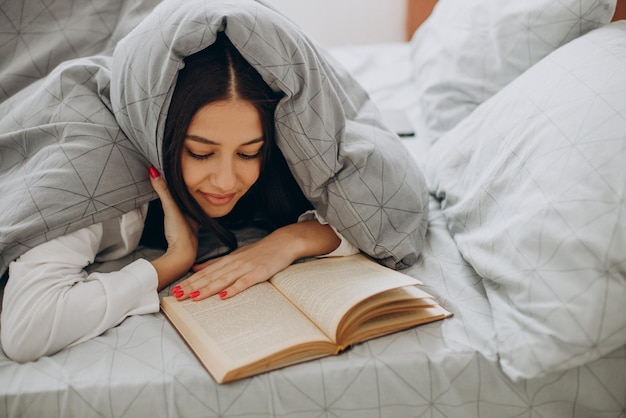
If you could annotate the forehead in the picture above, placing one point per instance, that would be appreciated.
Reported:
(229, 122)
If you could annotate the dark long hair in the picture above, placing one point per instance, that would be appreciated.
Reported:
(217, 73)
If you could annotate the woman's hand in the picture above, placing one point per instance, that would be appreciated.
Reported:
(180, 233)
(258, 262)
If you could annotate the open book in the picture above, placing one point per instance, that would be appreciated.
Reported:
(309, 310)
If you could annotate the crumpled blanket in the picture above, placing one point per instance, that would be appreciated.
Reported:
(75, 145)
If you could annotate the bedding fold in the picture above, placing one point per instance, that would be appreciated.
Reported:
(65, 163)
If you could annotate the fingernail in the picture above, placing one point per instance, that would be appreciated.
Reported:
(154, 173)
(176, 289)
(194, 294)
(178, 293)
(223, 294)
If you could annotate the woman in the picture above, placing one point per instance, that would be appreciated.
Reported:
(217, 143)
(222, 167)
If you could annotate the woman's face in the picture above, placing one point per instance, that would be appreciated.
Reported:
(222, 154)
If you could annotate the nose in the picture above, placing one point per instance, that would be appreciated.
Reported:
(223, 177)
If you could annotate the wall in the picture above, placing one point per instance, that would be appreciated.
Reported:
(346, 22)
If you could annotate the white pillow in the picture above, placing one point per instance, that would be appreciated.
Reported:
(533, 187)
(467, 50)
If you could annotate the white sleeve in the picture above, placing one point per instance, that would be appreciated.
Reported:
(50, 302)
(345, 248)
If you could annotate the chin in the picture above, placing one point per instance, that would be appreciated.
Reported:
(218, 212)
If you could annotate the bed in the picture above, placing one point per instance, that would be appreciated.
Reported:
(519, 114)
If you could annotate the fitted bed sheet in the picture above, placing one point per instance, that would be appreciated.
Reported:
(446, 369)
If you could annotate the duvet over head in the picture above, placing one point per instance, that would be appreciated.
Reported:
(78, 142)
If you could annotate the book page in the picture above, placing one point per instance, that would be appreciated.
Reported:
(383, 324)
(243, 329)
(325, 289)
(407, 298)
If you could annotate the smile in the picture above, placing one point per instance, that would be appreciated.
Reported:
(218, 199)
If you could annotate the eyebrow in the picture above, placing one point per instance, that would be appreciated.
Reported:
(209, 142)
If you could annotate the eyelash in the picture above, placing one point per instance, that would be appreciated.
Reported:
(206, 156)
(250, 156)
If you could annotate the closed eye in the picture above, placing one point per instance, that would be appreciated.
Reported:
(249, 156)
(199, 156)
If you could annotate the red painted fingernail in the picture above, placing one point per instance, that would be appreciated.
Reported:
(176, 289)
(223, 294)
(194, 294)
(154, 173)
(178, 293)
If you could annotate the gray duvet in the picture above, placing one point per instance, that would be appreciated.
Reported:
(76, 140)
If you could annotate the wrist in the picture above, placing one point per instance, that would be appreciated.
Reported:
(172, 265)
(308, 239)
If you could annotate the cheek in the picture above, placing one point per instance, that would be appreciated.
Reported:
(192, 176)
(250, 172)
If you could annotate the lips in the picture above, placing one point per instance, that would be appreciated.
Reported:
(218, 199)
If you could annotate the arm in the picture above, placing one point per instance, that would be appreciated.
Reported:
(345, 247)
(259, 261)
(50, 302)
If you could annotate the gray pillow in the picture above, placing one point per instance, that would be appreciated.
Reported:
(533, 188)
(466, 51)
